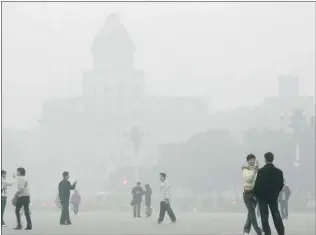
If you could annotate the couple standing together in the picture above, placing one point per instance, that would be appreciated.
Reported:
(20, 200)
(165, 206)
(262, 186)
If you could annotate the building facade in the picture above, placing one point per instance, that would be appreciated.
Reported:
(88, 133)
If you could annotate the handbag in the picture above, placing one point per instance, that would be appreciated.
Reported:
(133, 202)
(14, 200)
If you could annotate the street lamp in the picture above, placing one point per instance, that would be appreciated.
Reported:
(135, 136)
(297, 123)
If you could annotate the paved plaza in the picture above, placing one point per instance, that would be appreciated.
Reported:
(121, 223)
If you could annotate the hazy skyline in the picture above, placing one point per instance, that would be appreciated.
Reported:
(235, 51)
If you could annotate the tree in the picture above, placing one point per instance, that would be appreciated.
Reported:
(207, 161)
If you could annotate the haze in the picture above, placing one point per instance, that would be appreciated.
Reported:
(116, 93)
(222, 50)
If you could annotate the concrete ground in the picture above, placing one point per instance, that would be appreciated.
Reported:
(122, 223)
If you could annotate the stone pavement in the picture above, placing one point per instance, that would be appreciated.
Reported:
(107, 223)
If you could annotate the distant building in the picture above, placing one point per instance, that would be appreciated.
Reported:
(86, 132)
(288, 86)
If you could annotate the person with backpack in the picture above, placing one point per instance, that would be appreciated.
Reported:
(4, 186)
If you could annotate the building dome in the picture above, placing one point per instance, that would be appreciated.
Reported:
(113, 48)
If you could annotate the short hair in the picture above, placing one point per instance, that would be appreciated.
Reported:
(22, 171)
(269, 157)
(163, 174)
(138, 183)
(250, 156)
(65, 174)
(3, 172)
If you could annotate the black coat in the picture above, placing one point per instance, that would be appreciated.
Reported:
(64, 188)
(148, 193)
(269, 184)
(137, 193)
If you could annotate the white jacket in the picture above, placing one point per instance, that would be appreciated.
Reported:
(165, 191)
(249, 176)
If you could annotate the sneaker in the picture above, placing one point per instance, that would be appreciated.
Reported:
(4, 225)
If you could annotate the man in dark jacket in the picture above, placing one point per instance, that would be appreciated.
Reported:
(268, 186)
(137, 193)
(64, 188)
(148, 193)
(284, 201)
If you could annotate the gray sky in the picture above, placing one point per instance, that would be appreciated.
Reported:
(235, 51)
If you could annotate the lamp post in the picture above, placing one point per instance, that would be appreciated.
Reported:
(297, 123)
(135, 136)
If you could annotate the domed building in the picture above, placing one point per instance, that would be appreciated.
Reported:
(89, 133)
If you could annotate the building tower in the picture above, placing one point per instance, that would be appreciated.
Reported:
(113, 83)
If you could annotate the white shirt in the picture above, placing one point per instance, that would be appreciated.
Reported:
(23, 187)
(249, 176)
(165, 191)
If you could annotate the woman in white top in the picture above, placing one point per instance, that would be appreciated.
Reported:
(22, 199)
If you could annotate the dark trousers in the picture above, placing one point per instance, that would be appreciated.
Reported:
(148, 210)
(251, 204)
(65, 218)
(25, 203)
(165, 207)
(136, 209)
(3, 205)
(284, 209)
(264, 212)
(76, 208)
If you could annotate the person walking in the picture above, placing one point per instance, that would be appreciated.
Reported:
(22, 199)
(268, 185)
(75, 201)
(148, 193)
(137, 193)
(249, 173)
(165, 200)
(4, 187)
(284, 201)
(64, 189)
